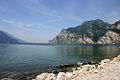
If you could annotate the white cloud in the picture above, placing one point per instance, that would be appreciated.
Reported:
(18, 24)
(8, 21)
(35, 6)
(23, 26)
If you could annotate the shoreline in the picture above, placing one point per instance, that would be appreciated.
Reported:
(107, 69)
(93, 70)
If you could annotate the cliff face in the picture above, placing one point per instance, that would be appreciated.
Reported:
(66, 37)
(90, 32)
(110, 38)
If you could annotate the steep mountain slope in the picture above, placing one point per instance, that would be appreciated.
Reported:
(7, 38)
(90, 32)
(112, 36)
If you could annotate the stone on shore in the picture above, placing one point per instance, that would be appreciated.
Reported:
(74, 69)
(61, 76)
(105, 61)
(6, 79)
(85, 67)
(79, 64)
(42, 76)
(46, 76)
(116, 59)
(106, 70)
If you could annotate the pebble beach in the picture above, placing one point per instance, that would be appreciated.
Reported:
(107, 69)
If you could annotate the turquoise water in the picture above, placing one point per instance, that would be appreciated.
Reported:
(28, 57)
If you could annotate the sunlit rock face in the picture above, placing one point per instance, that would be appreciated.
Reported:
(90, 32)
(66, 37)
(109, 38)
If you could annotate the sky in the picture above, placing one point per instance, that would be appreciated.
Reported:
(39, 21)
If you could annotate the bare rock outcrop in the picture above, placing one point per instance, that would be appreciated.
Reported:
(109, 38)
(90, 32)
(66, 37)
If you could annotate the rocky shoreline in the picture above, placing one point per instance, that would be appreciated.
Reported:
(107, 69)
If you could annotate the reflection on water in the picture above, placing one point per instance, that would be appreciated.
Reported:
(89, 52)
(40, 57)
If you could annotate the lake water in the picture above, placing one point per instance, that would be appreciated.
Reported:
(40, 57)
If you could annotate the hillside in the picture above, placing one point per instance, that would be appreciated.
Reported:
(6, 38)
(90, 32)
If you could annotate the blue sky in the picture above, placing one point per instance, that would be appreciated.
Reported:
(40, 20)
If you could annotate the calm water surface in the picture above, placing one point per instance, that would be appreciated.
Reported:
(41, 57)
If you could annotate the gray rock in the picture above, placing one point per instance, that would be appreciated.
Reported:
(61, 76)
(116, 59)
(109, 38)
(79, 64)
(6, 79)
(105, 61)
(42, 76)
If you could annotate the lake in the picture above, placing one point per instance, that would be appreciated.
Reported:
(33, 59)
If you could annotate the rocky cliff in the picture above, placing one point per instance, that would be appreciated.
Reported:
(90, 32)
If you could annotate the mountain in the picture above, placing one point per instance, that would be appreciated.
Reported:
(6, 38)
(90, 32)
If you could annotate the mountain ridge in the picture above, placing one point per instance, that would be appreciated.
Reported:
(6, 38)
(90, 32)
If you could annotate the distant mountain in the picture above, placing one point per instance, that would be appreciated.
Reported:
(90, 32)
(6, 38)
